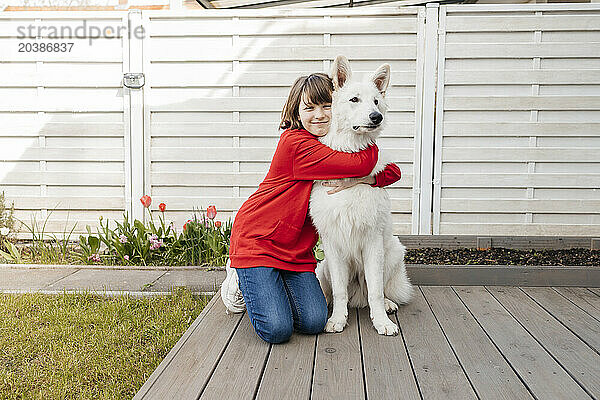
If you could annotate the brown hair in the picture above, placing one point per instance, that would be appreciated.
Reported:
(316, 88)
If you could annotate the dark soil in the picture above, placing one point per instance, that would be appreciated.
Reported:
(501, 256)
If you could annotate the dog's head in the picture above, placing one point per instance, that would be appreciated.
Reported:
(359, 106)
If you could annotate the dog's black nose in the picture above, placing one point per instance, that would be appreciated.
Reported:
(376, 117)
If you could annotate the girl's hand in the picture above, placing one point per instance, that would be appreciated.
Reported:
(341, 184)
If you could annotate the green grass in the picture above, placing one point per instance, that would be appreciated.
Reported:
(85, 346)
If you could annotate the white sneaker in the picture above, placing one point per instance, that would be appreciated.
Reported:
(230, 292)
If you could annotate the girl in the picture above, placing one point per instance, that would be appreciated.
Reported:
(272, 238)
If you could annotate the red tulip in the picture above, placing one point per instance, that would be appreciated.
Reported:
(162, 207)
(218, 224)
(184, 226)
(146, 200)
(211, 212)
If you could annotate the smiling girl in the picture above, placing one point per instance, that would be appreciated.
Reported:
(272, 238)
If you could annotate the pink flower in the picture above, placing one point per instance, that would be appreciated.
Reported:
(126, 257)
(146, 200)
(211, 212)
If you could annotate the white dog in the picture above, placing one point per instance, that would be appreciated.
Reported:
(364, 261)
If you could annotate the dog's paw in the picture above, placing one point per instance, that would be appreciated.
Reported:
(384, 327)
(390, 306)
(335, 324)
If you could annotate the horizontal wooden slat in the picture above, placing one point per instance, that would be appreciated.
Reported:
(251, 129)
(155, 15)
(521, 129)
(63, 203)
(469, 228)
(236, 154)
(175, 51)
(73, 105)
(63, 154)
(479, 8)
(534, 180)
(521, 50)
(80, 79)
(274, 104)
(512, 154)
(554, 206)
(522, 103)
(518, 23)
(64, 178)
(264, 26)
(58, 129)
(177, 203)
(227, 179)
(508, 77)
(255, 79)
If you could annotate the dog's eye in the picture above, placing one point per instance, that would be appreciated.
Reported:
(376, 101)
(354, 99)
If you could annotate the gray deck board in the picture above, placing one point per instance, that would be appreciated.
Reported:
(289, 369)
(582, 298)
(387, 369)
(544, 377)
(580, 361)
(455, 342)
(186, 369)
(238, 373)
(438, 372)
(338, 367)
(489, 373)
(573, 317)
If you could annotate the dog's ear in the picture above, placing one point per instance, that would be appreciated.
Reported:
(381, 78)
(340, 72)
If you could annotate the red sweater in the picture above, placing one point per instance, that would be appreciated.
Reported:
(273, 228)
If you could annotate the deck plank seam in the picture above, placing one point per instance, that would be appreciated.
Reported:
(362, 358)
(451, 347)
(410, 361)
(560, 321)
(508, 362)
(542, 344)
(312, 376)
(262, 372)
(597, 293)
(216, 364)
(575, 304)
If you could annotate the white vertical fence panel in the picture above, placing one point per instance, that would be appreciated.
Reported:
(217, 81)
(62, 130)
(518, 120)
(427, 120)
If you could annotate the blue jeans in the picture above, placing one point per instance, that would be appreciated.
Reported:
(279, 301)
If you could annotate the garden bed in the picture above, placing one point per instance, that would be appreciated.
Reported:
(501, 256)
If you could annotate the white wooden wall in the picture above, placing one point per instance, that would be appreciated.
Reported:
(217, 81)
(517, 133)
(494, 113)
(62, 122)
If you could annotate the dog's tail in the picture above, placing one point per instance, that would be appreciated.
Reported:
(398, 288)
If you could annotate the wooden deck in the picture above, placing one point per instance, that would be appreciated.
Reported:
(459, 342)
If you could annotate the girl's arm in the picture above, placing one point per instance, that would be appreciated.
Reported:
(390, 174)
(312, 160)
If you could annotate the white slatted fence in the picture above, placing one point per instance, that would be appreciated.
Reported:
(518, 120)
